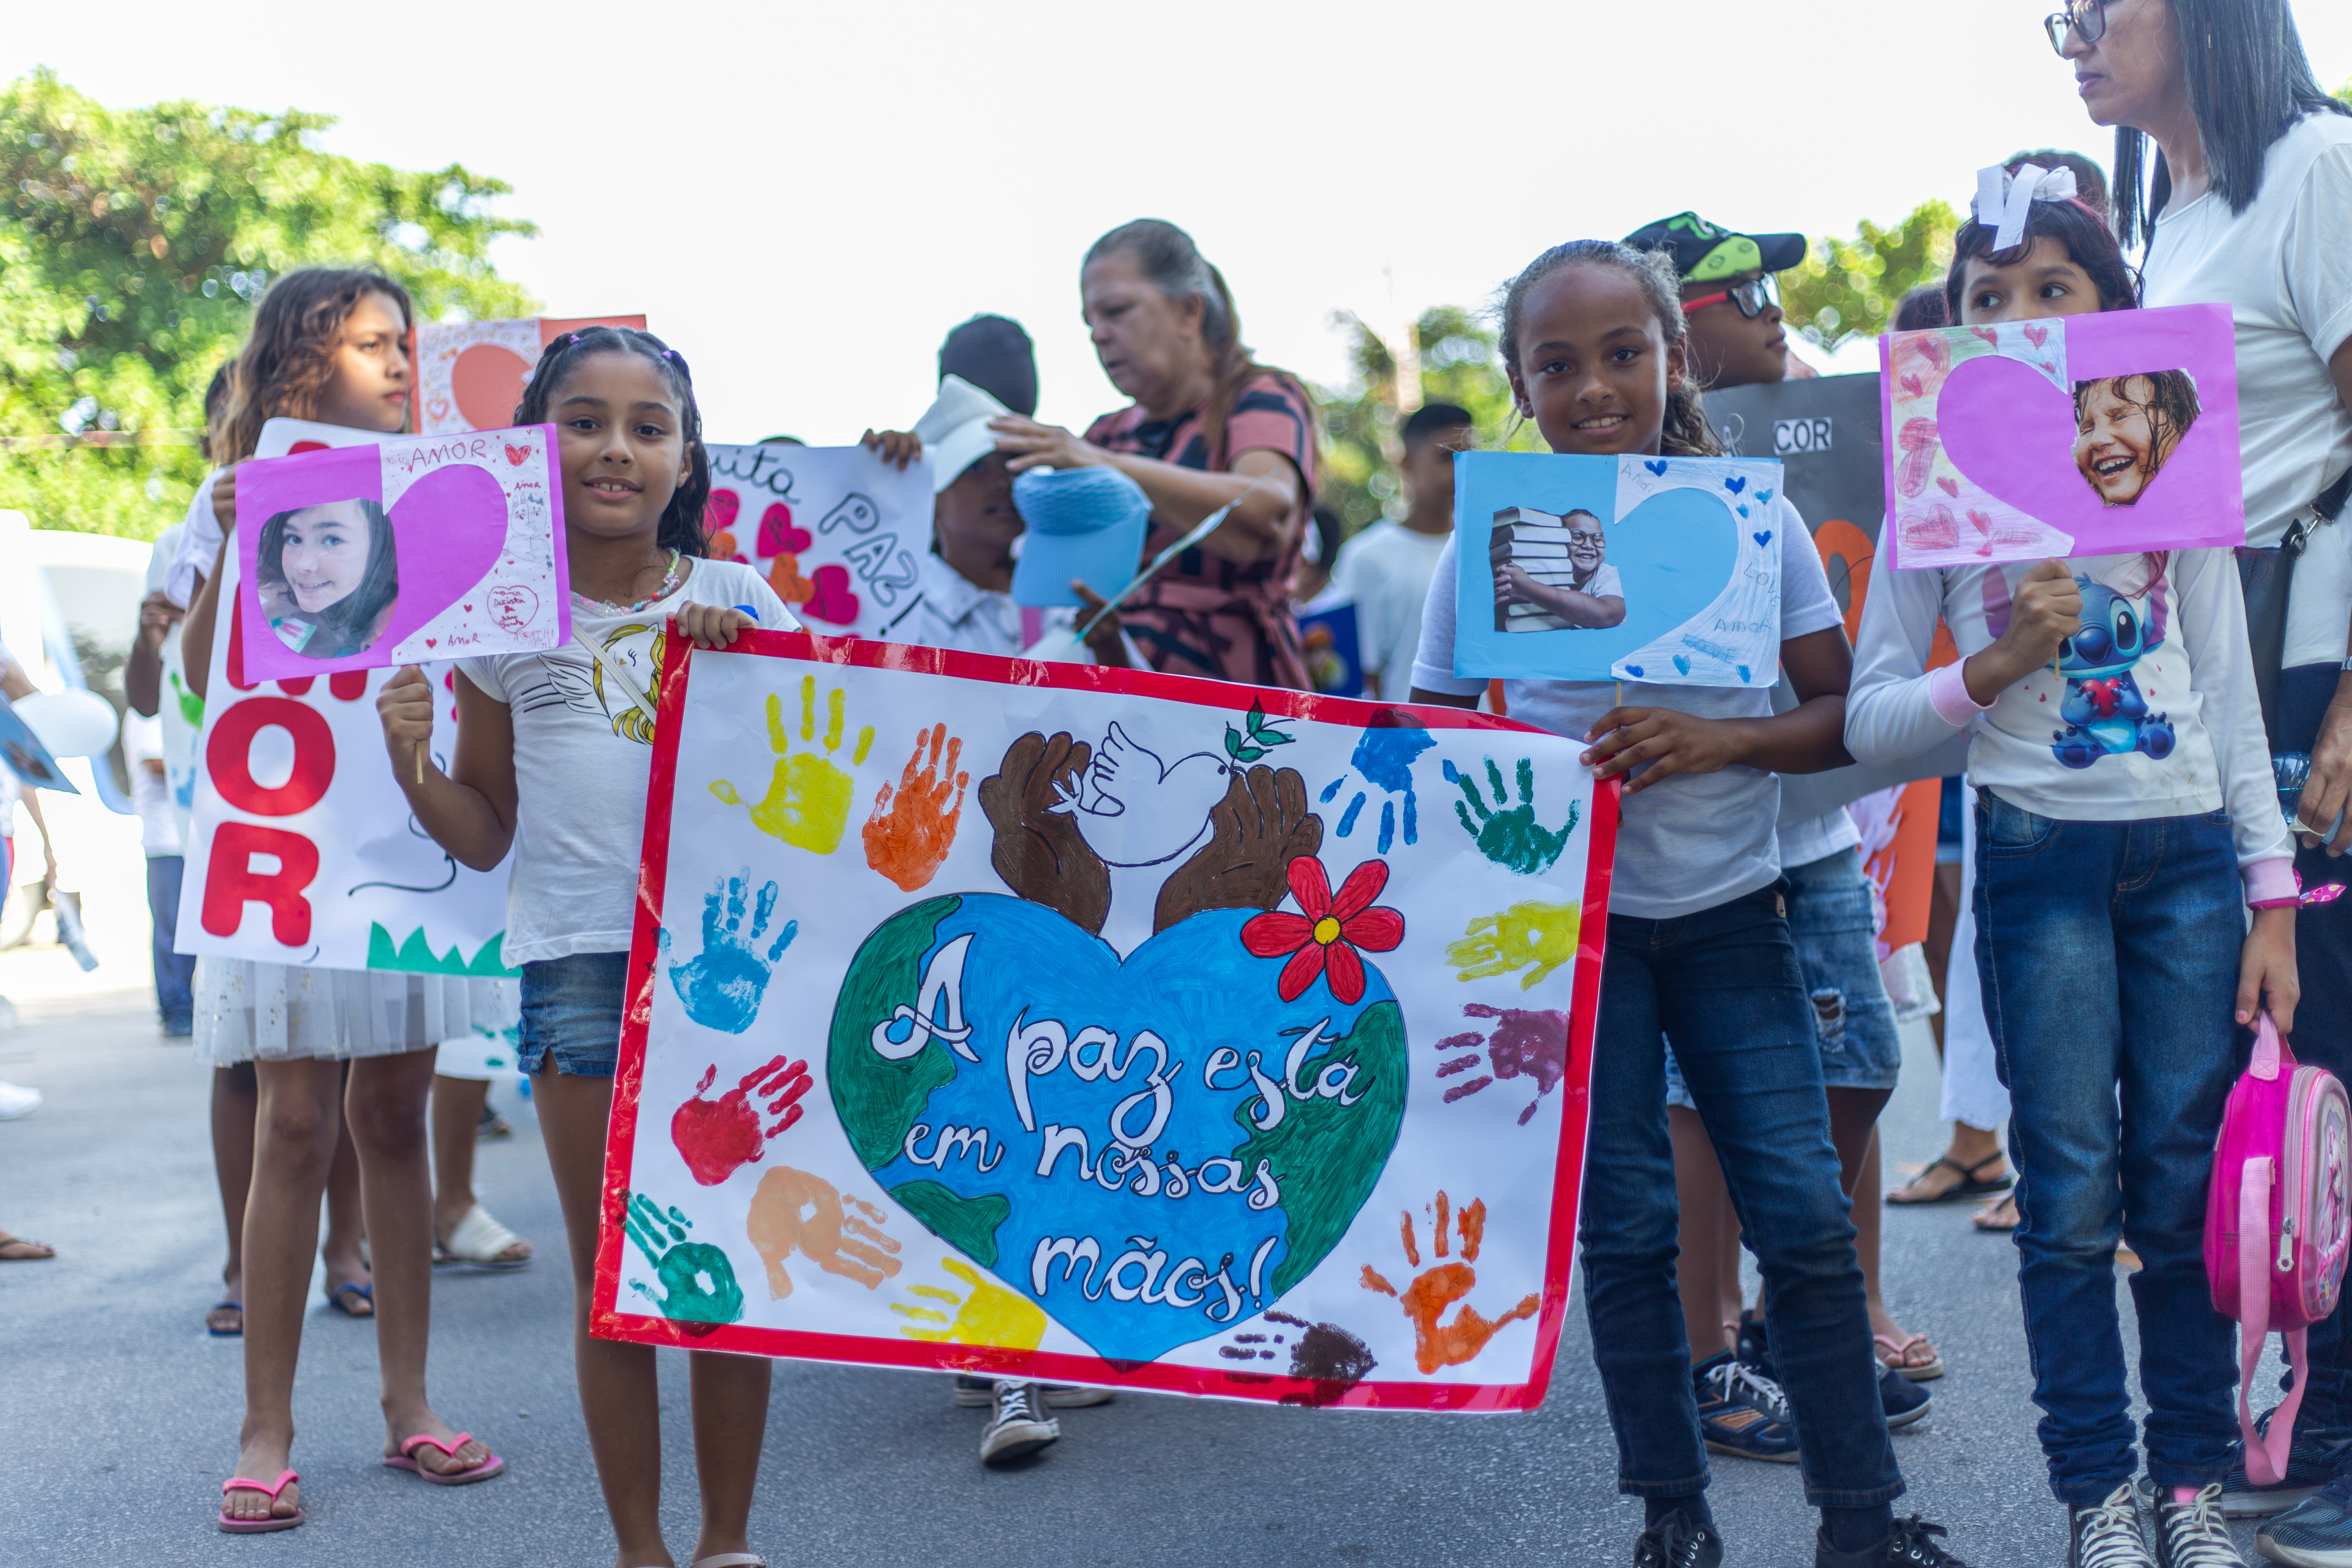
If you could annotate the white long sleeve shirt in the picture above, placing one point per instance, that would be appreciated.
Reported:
(2152, 714)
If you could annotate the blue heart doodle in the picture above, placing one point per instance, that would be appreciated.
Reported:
(1657, 468)
(1736, 483)
(978, 1038)
(1743, 672)
(1682, 664)
(1635, 670)
(1764, 496)
(1743, 509)
(1762, 536)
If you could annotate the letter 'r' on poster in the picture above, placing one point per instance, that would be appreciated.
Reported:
(402, 550)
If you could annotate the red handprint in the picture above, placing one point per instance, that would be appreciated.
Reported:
(716, 1137)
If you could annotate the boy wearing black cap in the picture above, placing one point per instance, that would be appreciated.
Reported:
(1738, 338)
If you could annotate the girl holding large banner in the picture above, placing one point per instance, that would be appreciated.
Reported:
(326, 345)
(563, 740)
(1594, 342)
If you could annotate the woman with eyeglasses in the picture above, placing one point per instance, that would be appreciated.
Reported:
(2250, 206)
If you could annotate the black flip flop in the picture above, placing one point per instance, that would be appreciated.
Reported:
(1967, 1187)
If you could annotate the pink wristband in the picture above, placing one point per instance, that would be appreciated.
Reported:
(1947, 692)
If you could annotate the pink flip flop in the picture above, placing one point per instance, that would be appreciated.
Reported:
(490, 1466)
(233, 1526)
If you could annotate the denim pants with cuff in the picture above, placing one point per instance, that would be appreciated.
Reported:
(2108, 952)
(1724, 984)
(175, 972)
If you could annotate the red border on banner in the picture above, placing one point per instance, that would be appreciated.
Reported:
(620, 1138)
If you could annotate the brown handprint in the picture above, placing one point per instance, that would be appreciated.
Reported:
(1255, 832)
(1038, 851)
(1437, 1344)
(1523, 1044)
(913, 825)
(794, 1210)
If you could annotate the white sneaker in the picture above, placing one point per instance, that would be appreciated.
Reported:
(16, 1101)
(2192, 1535)
(1020, 1426)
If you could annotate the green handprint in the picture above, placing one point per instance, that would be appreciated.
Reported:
(808, 798)
(1510, 836)
(191, 706)
(698, 1283)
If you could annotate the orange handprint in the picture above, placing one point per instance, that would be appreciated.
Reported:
(913, 825)
(1439, 1286)
(798, 1211)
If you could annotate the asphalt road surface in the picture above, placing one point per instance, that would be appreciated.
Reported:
(120, 1414)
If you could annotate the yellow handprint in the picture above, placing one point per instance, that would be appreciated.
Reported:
(1537, 934)
(808, 796)
(987, 1314)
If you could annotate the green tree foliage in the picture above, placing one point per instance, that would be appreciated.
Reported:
(132, 245)
(1457, 366)
(1848, 288)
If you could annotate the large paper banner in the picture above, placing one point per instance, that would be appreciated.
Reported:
(1658, 569)
(397, 551)
(838, 532)
(470, 375)
(1063, 1022)
(2075, 436)
(301, 848)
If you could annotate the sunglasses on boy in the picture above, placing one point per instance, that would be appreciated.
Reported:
(2087, 19)
(1751, 296)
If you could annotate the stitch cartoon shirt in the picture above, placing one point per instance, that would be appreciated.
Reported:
(583, 752)
(2151, 712)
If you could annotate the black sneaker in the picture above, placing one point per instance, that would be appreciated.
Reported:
(1910, 1544)
(1903, 1400)
(2314, 1533)
(2193, 1534)
(1020, 1426)
(1675, 1542)
(2313, 1459)
(1741, 1412)
(2106, 1535)
(1755, 1346)
(980, 1393)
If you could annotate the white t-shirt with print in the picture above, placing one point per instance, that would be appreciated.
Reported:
(2165, 725)
(2284, 268)
(1385, 570)
(1696, 840)
(583, 754)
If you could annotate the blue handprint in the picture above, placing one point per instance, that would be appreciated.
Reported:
(1511, 838)
(1385, 755)
(698, 1283)
(722, 988)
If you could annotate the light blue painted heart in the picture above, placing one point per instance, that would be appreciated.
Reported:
(1743, 672)
(1743, 509)
(1174, 1060)
(1764, 496)
(1681, 663)
(1656, 467)
(1736, 483)
(1762, 536)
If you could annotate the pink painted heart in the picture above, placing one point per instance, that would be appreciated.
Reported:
(2036, 335)
(832, 601)
(2011, 432)
(719, 512)
(1934, 529)
(486, 381)
(1979, 522)
(1948, 485)
(777, 534)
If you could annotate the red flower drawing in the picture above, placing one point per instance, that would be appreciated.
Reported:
(1323, 938)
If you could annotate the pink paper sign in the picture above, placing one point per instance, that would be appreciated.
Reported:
(2075, 436)
(399, 551)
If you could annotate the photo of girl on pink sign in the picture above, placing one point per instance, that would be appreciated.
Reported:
(401, 552)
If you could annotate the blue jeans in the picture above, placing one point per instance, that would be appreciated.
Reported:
(175, 973)
(572, 1011)
(1724, 984)
(2109, 956)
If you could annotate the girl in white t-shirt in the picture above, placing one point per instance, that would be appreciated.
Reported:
(2125, 820)
(555, 751)
(1593, 341)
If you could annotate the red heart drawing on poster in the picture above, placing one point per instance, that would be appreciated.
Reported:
(488, 381)
(513, 606)
(1948, 485)
(431, 642)
(438, 409)
(832, 601)
(518, 455)
(777, 534)
(306, 447)
(2035, 335)
(719, 512)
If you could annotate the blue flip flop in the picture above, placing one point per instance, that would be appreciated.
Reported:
(365, 1293)
(236, 1333)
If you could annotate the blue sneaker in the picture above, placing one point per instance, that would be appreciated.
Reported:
(2314, 1533)
(1742, 1412)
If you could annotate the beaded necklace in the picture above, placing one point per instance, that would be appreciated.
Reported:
(606, 606)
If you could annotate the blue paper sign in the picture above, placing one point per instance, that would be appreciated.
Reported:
(1329, 641)
(26, 757)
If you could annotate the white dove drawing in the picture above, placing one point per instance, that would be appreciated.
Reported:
(1133, 811)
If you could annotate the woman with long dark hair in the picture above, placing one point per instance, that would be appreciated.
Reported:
(1209, 426)
(2249, 204)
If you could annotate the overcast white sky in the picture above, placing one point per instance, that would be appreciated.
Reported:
(803, 199)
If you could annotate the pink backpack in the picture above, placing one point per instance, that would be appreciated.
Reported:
(2278, 1223)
